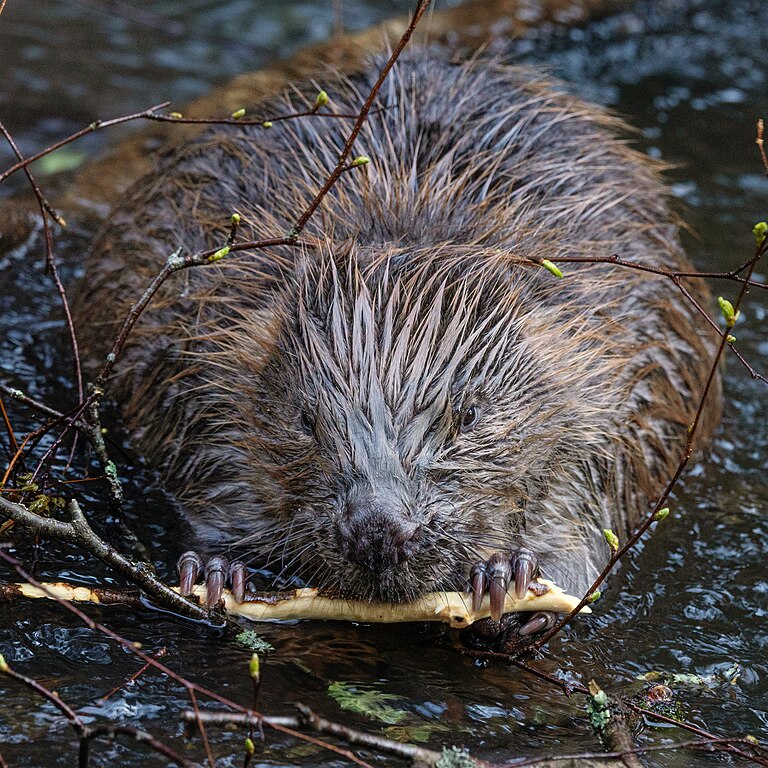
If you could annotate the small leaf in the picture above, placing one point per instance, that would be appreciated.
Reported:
(661, 514)
(266, 124)
(321, 100)
(238, 113)
(361, 160)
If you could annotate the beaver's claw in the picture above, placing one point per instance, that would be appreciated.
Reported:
(497, 573)
(217, 574)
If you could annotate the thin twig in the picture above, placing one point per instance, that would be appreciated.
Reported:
(133, 678)
(570, 687)
(708, 745)
(308, 719)
(86, 733)
(50, 261)
(675, 278)
(760, 143)
(78, 532)
(20, 397)
(173, 264)
(52, 698)
(298, 227)
(152, 115)
(97, 125)
(134, 734)
(186, 684)
(691, 433)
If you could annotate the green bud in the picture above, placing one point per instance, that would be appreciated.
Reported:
(728, 312)
(3, 665)
(751, 739)
(361, 160)
(176, 115)
(730, 339)
(760, 231)
(550, 267)
(250, 747)
(611, 538)
(253, 666)
(661, 514)
(235, 218)
(322, 99)
(266, 124)
(725, 307)
(238, 113)
(219, 255)
(595, 596)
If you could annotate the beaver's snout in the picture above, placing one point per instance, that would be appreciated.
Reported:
(376, 534)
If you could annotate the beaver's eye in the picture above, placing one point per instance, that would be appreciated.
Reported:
(469, 417)
(307, 423)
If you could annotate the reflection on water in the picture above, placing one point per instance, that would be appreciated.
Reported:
(691, 77)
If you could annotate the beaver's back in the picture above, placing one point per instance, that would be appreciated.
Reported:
(478, 171)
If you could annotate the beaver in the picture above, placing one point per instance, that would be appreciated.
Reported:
(408, 400)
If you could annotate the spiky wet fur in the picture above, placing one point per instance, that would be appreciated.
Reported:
(417, 299)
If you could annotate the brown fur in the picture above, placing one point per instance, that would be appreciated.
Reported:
(418, 298)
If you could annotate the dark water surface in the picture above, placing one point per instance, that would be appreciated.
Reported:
(692, 77)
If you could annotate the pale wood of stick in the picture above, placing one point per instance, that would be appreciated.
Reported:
(452, 608)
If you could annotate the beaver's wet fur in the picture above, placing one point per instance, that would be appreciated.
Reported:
(411, 391)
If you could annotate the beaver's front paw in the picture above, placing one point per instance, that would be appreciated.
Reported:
(512, 633)
(217, 574)
(495, 576)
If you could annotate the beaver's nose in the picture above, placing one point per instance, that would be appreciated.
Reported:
(377, 535)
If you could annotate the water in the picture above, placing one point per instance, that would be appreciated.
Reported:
(691, 77)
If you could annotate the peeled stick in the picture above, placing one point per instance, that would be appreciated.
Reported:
(452, 608)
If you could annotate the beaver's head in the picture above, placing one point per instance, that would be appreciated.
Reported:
(402, 420)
